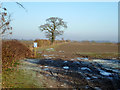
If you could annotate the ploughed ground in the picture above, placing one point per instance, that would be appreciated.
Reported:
(62, 67)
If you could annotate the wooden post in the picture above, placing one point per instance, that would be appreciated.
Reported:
(34, 51)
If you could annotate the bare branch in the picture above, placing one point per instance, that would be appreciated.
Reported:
(20, 5)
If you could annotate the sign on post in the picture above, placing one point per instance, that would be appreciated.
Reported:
(35, 44)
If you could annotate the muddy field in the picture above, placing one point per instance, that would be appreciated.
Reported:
(80, 74)
(82, 71)
(85, 66)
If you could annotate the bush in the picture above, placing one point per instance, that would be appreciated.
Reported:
(12, 51)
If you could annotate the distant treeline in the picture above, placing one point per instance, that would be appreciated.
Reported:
(87, 41)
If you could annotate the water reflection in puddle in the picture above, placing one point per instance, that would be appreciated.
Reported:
(104, 73)
(66, 67)
(110, 63)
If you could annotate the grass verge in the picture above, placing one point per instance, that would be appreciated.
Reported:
(19, 78)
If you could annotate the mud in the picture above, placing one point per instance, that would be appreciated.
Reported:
(81, 74)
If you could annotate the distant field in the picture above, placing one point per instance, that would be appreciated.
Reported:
(83, 49)
(92, 50)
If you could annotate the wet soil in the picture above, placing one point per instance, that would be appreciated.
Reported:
(79, 72)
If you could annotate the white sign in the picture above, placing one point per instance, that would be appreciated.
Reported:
(35, 44)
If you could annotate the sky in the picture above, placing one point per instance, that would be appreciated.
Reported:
(85, 20)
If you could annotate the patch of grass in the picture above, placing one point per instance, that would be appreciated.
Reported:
(16, 63)
(19, 79)
(13, 77)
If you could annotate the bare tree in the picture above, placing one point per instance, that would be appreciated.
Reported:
(53, 27)
(5, 19)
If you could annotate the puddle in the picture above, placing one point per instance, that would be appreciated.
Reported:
(46, 69)
(82, 58)
(65, 61)
(66, 67)
(109, 63)
(94, 77)
(45, 66)
(97, 88)
(88, 78)
(117, 71)
(85, 68)
(45, 55)
(104, 73)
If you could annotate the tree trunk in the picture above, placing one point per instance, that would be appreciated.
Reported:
(53, 38)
